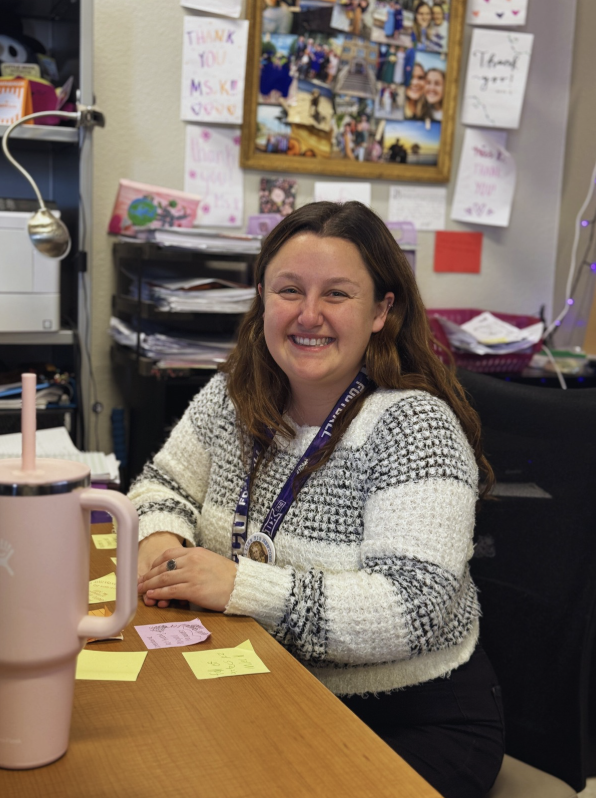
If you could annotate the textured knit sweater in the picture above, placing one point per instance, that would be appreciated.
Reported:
(371, 589)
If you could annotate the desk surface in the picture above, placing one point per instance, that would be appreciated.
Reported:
(169, 734)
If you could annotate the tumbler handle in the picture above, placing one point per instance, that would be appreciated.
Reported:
(126, 562)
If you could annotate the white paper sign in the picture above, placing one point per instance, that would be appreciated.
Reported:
(226, 8)
(496, 79)
(423, 206)
(343, 192)
(485, 179)
(213, 66)
(211, 171)
(497, 12)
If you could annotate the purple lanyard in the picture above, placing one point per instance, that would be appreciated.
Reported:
(282, 504)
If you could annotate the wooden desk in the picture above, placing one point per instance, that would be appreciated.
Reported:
(280, 734)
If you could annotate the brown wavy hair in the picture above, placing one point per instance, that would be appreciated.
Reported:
(399, 356)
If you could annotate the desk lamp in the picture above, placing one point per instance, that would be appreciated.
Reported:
(48, 234)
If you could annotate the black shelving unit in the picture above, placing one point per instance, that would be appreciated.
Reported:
(155, 397)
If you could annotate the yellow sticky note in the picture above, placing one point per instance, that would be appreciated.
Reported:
(104, 541)
(113, 559)
(110, 666)
(102, 589)
(247, 644)
(224, 662)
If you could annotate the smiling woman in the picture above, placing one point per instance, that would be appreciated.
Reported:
(325, 484)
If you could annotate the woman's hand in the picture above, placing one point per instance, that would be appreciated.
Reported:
(200, 577)
(150, 549)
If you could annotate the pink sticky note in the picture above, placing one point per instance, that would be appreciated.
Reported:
(169, 635)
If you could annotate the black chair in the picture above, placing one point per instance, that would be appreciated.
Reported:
(535, 567)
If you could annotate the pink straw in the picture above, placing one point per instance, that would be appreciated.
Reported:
(28, 421)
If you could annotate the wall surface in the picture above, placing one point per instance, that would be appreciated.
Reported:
(137, 82)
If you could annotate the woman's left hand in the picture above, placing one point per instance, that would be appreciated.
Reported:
(201, 577)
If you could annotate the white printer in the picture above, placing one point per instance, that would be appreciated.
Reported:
(29, 281)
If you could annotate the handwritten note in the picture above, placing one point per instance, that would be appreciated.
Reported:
(104, 541)
(228, 8)
(485, 179)
(224, 662)
(458, 252)
(212, 171)
(342, 192)
(422, 206)
(497, 12)
(110, 666)
(102, 589)
(496, 78)
(170, 635)
(213, 66)
(103, 612)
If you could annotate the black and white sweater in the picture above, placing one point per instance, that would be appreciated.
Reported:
(371, 588)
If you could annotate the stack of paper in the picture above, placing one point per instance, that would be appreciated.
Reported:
(201, 295)
(56, 443)
(485, 334)
(172, 350)
(192, 238)
(47, 393)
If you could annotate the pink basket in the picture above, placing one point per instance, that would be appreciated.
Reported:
(511, 363)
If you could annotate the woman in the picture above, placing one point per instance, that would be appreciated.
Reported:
(413, 108)
(438, 31)
(357, 487)
(422, 20)
(434, 89)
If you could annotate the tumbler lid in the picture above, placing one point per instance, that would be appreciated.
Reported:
(48, 477)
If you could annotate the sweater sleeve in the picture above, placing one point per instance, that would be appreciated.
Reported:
(169, 493)
(412, 592)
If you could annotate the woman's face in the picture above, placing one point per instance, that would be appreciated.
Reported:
(438, 15)
(433, 90)
(417, 83)
(320, 311)
(423, 15)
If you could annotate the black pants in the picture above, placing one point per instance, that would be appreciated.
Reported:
(449, 730)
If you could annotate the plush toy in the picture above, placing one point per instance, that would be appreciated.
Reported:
(15, 46)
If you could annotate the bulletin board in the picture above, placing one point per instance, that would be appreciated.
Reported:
(352, 88)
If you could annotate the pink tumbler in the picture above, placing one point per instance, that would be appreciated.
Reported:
(44, 593)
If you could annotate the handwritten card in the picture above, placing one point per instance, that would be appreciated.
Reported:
(224, 662)
(212, 171)
(458, 252)
(213, 65)
(110, 666)
(102, 589)
(498, 67)
(422, 206)
(497, 12)
(485, 179)
(170, 635)
(343, 192)
(227, 8)
(104, 541)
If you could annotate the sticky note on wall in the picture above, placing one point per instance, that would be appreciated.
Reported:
(458, 252)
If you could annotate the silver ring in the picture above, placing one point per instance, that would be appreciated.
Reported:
(171, 565)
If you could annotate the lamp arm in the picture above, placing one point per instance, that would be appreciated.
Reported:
(5, 137)
(85, 116)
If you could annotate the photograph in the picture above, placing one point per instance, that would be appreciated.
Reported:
(276, 67)
(430, 28)
(390, 101)
(412, 142)
(273, 132)
(277, 195)
(312, 105)
(354, 17)
(425, 87)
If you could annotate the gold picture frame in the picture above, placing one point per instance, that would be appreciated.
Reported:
(315, 101)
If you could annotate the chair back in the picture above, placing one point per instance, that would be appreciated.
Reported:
(535, 567)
